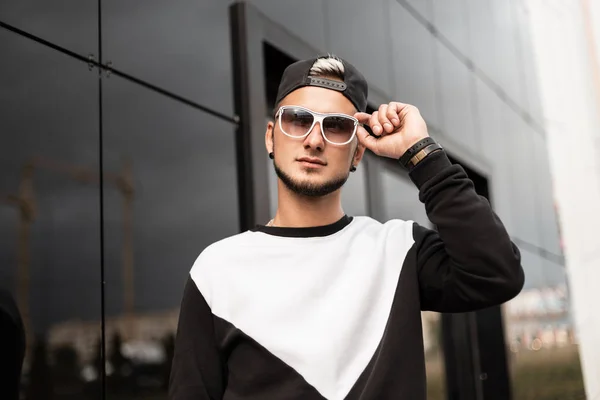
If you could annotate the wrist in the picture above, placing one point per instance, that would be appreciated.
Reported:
(417, 152)
(417, 158)
(434, 164)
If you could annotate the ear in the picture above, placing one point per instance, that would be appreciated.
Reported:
(269, 136)
(358, 154)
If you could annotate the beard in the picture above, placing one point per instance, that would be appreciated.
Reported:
(309, 189)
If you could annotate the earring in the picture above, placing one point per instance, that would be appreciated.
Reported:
(271, 155)
(352, 168)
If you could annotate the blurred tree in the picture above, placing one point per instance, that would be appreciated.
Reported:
(169, 346)
(66, 372)
(94, 371)
(98, 358)
(40, 379)
(119, 363)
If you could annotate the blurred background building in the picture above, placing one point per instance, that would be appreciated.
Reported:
(132, 138)
(567, 44)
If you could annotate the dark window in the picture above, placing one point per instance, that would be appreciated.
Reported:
(50, 216)
(183, 48)
(175, 193)
(276, 61)
(73, 26)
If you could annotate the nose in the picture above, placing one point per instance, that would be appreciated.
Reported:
(314, 140)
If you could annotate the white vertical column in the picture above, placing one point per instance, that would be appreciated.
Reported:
(570, 110)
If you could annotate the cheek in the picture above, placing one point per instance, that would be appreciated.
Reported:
(284, 152)
(341, 159)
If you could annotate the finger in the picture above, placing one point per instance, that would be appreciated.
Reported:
(392, 114)
(374, 123)
(383, 119)
(362, 117)
(400, 109)
(366, 139)
(364, 120)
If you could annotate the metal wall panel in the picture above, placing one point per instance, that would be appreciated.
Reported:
(422, 7)
(508, 75)
(415, 64)
(361, 33)
(50, 215)
(525, 211)
(308, 19)
(70, 24)
(482, 36)
(527, 60)
(401, 199)
(496, 148)
(181, 46)
(549, 226)
(456, 100)
(451, 19)
(174, 193)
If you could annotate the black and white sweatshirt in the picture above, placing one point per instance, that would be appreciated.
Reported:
(334, 312)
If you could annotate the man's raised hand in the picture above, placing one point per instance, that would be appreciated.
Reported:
(397, 126)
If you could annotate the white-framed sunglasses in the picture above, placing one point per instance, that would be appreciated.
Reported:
(297, 122)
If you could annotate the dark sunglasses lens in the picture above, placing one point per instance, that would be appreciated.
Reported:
(338, 129)
(296, 122)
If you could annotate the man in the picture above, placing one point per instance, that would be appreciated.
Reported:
(317, 304)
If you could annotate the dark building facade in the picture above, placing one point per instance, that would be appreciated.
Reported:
(132, 138)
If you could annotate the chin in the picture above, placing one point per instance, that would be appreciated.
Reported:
(311, 182)
(305, 171)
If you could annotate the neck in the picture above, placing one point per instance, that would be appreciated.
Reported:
(296, 211)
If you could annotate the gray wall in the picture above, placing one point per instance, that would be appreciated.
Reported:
(473, 79)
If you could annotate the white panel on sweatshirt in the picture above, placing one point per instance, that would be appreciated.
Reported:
(320, 304)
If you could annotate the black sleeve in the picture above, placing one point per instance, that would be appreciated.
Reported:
(197, 371)
(470, 262)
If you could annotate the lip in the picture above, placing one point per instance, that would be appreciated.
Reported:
(312, 162)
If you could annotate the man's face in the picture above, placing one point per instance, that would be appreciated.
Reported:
(333, 164)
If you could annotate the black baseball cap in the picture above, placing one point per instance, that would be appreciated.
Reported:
(354, 85)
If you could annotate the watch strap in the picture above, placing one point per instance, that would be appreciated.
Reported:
(422, 154)
(414, 149)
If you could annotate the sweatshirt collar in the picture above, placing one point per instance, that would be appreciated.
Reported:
(305, 232)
